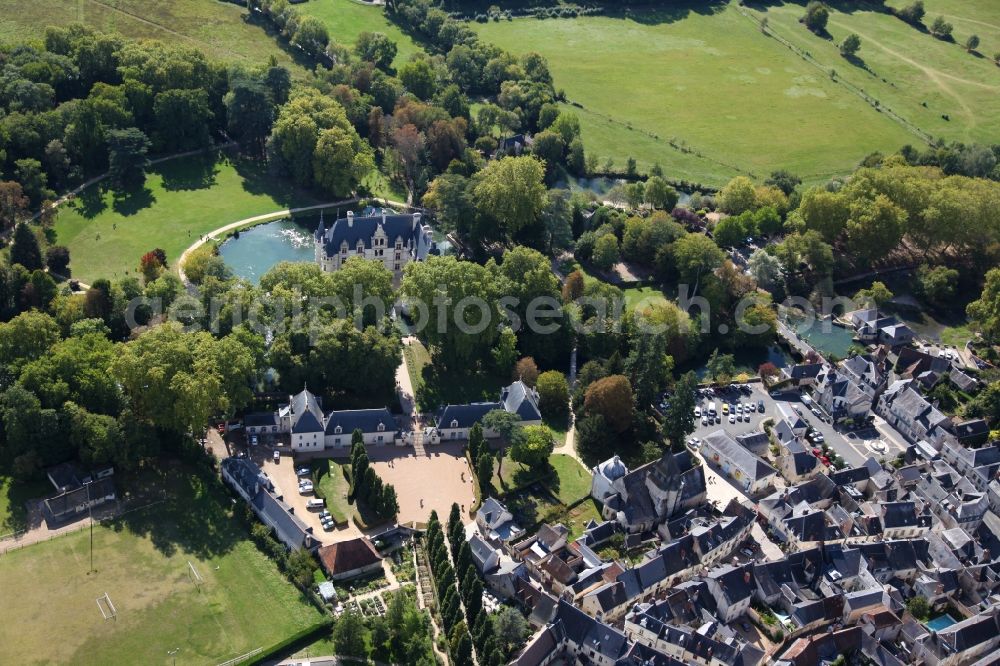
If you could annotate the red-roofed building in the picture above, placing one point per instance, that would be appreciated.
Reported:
(349, 559)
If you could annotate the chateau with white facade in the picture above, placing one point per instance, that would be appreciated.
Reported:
(378, 234)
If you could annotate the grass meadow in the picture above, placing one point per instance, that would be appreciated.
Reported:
(705, 93)
(217, 28)
(50, 613)
(345, 20)
(108, 232)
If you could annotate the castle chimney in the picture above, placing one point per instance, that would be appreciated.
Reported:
(350, 218)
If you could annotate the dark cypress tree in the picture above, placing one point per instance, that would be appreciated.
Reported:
(25, 250)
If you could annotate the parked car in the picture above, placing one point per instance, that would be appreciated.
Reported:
(305, 488)
(697, 411)
(817, 452)
(760, 406)
(746, 417)
(732, 418)
(303, 471)
(704, 420)
(253, 440)
(276, 456)
(824, 460)
(725, 408)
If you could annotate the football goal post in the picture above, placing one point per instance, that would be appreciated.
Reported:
(194, 575)
(108, 610)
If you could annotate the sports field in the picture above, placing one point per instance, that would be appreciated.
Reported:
(217, 28)
(183, 199)
(345, 20)
(706, 94)
(50, 612)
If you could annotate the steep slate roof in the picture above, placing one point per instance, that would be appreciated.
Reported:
(805, 371)
(802, 460)
(347, 556)
(588, 633)
(306, 412)
(728, 450)
(367, 420)
(466, 415)
(356, 228)
(899, 514)
(520, 399)
(737, 583)
(481, 553)
(492, 512)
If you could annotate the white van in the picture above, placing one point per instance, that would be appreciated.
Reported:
(315, 504)
(711, 408)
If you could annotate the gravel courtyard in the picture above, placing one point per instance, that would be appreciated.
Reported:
(435, 478)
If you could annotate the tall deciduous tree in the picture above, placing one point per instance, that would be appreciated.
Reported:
(511, 191)
(127, 157)
(612, 398)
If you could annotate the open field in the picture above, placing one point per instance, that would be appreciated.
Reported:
(919, 77)
(182, 199)
(218, 28)
(707, 80)
(345, 20)
(141, 561)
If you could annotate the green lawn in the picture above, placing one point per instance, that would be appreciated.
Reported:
(141, 561)
(182, 199)
(13, 495)
(577, 517)
(712, 84)
(333, 487)
(573, 479)
(346, 19)
(217, 28)
(910, 72)
(642, 297)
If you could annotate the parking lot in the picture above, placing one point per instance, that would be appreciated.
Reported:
(730, 395)
(854, 447)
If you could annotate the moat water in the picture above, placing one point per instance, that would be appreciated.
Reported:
(258, 249)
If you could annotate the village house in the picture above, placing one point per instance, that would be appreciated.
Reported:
(455, 421)
(77, 492)
(912, 415)
(376, 235)
(841, 397)
(253, 486)
(796, 463)
(748, 471)
(871, 328)
(309, 429)
(349, 559)
(496, 523)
